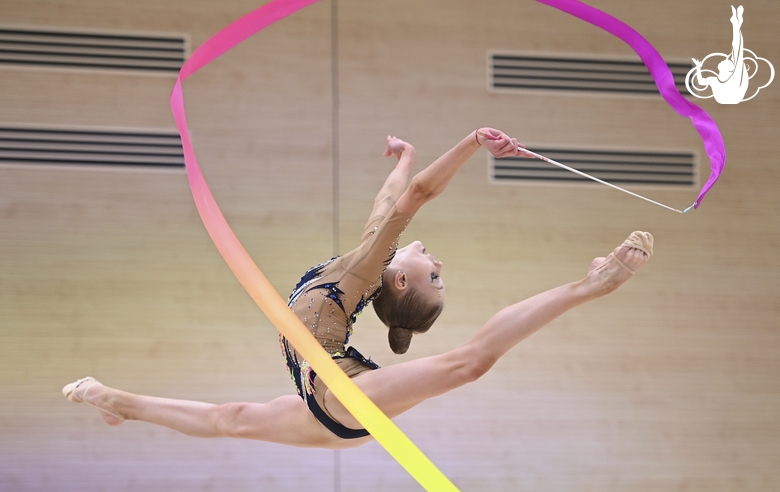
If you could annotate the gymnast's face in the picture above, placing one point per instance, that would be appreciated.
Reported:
(418, 269)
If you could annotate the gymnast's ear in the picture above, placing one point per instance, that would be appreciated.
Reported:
(400, 281)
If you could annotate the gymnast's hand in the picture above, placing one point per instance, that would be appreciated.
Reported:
(499, 143)
(396, 147)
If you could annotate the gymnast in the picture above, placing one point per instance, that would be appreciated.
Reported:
(407, 291)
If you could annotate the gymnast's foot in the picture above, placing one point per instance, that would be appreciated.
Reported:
(396, 147)
(92, 392)
(608, 273)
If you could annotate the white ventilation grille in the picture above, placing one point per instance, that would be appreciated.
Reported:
(26, 145)
(512, 72)
(620, 167)
(82, 50)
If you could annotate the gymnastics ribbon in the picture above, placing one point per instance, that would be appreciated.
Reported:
(704, 124)
(253, 280)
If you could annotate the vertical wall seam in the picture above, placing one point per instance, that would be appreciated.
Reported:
(335, 121)
(334, 67)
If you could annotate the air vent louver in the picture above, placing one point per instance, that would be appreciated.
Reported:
(72, 50)
(520, 72)
(620, 167)
(26, 145)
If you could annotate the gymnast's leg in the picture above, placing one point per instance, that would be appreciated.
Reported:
(400, 387)
(285, 420)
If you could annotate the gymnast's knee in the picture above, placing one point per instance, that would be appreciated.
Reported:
(230, 420)
(473, 365)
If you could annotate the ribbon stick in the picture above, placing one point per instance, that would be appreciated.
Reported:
(704, 124)
(585, 175)
(255, 283)
(546, 159)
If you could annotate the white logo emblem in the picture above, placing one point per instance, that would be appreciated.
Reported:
(730, 84)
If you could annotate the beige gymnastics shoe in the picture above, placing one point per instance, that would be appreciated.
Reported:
(69, 392)
(634, 252)
(643, 241)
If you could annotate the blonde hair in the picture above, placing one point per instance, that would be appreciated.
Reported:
(405, 313)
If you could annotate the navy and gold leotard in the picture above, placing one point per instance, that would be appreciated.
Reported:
(328, 299)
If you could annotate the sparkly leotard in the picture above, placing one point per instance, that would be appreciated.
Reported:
(328, 299)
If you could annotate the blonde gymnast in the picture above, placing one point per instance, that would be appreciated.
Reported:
(408, 293)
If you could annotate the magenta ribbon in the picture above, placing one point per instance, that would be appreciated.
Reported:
(256, 284)
(704, 124)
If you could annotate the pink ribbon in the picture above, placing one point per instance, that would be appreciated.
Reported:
(365, 411)
(704, 124)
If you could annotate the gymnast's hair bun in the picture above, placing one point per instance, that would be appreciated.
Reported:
(400, 339)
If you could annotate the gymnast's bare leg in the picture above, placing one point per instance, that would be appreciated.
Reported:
(400, 387)
(284, 420)
(395, 389)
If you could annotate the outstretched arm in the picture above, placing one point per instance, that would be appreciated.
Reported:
(431, 182)
(396, 182)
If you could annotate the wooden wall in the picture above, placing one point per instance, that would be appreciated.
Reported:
(670, 384)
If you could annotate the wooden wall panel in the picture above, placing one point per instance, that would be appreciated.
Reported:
(672, 383)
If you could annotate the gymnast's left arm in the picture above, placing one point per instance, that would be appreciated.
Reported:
(431, 181)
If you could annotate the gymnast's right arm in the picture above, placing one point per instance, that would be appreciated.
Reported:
(396, 182)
